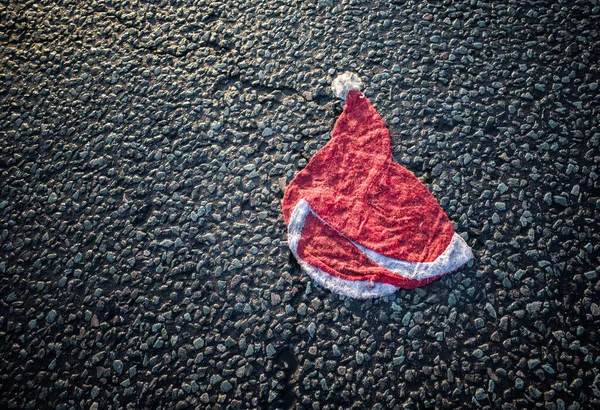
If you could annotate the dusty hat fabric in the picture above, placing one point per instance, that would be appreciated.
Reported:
(360, 224)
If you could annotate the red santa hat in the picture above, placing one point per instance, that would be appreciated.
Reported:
(360, 224)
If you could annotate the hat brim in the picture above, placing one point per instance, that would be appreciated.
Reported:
(348, 268)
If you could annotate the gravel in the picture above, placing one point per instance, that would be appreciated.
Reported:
(144, 152)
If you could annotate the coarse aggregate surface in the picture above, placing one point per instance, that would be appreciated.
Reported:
(144, 149)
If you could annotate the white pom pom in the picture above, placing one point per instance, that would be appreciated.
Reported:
(344, 83)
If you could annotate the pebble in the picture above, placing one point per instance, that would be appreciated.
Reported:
(533, 307)
(360, 358)
(118, 366)
(198, 343)
(519, 383)
(267, 132)
(561, 200)
(226, 386)
(51, 316)
(490, 310)
(414, 331)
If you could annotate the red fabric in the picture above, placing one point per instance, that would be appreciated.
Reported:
(354, 185)
(324, 248)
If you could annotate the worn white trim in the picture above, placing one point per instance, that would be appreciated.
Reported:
(357, 289)
(351, 288)
(455, 255)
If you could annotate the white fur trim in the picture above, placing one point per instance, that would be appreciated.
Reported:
(344, 83)
(455, 255)
(357, 289)
(352, 288)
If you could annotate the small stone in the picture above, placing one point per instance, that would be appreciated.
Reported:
(249, 350)
(595, 309)
(533, 363)
(336, 350)
(302, 309)
(561, 200)
(406, 318)
(414, 331)
(118, 366)
(360, 357)
(479, 323)
(51, 316)
(519, 383)
(226, 386)
(495, 218)
(480, 394)
(267, 132)
(519, 274)
(167, 243)
(535, 393)
(198, 343)
(271, 350)
(575, 190)
(533, 307)
(490, 309)
(576, 384)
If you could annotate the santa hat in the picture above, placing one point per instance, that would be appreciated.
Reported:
(360, 224)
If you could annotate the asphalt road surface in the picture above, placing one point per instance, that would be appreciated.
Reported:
(144, 148)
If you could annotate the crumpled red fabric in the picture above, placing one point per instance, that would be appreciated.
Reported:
(359, 195)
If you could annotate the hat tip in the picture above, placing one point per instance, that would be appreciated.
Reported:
(345, 82)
